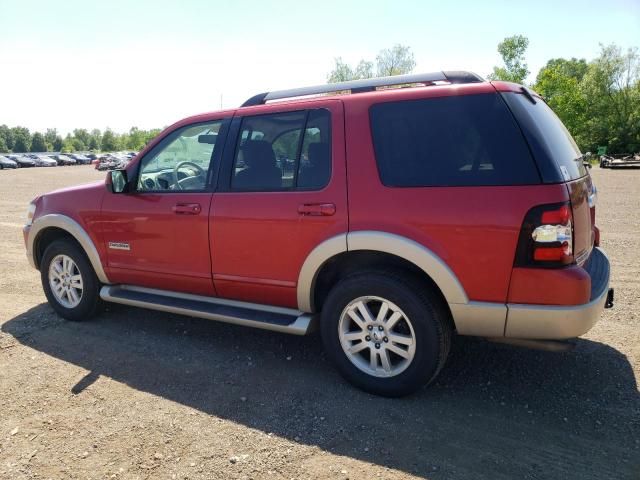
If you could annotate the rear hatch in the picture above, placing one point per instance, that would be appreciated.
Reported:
(558, 158)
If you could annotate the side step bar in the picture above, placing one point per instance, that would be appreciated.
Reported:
(278, 319)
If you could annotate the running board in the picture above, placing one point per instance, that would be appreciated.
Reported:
(254, 315)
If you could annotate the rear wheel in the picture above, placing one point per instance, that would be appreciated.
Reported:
(386, 333)
(69, 282)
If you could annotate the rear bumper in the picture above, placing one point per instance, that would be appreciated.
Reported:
(561, 322)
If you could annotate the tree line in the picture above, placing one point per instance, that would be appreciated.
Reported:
(597, 100)
(21, 140)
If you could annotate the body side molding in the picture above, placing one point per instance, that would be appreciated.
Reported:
(75, 230)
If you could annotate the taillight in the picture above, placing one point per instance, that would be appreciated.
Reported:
(546, 237)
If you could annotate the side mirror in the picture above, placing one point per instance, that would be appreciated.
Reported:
(118, 181)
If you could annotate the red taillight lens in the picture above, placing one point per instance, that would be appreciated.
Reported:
(556, 217)
(546, 237)
(552, 254)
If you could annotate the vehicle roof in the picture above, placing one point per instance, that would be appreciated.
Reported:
(478, 86)
(346, 97)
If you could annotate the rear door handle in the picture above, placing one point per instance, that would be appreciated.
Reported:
(187, 208)
(317, 209)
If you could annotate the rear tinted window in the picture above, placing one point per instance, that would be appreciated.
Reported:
(556, 152)
(450, 141)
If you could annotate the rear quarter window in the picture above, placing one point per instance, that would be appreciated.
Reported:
(469, 140)
(555, 151)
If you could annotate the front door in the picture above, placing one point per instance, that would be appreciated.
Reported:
(157, 235)
(282, 191)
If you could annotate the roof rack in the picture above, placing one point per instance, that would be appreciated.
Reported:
(366, 85)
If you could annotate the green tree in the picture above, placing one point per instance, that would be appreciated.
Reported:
(3, 146)
(78, 145)
(612, 87)
(50, 139)
(364, 69)
(38, 143)
(95, 140)
(573, 68)
(68, 145)
(21, 139)
(341, 72)
(57, 143)
(7, 136)
(512, 50)
(396, 60)
(135, 139)
(559, 83)
(151, 134)
(109, 141)
(83, 138)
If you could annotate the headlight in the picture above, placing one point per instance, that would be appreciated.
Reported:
(31, 211)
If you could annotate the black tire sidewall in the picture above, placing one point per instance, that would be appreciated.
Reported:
(426, 317)
(91, 286)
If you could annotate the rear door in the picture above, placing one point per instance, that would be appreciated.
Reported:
(281, 192)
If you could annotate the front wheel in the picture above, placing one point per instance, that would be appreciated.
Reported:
(387, 334)
(69, 282)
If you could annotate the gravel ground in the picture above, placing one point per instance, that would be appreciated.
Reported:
(141, 394)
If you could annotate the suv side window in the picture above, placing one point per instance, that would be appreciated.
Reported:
(467, 140)
(181, 161)
(283, 151)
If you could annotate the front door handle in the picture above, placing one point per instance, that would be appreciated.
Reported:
(317, 209)
(187, 208)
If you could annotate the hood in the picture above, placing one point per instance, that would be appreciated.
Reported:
(97, 185)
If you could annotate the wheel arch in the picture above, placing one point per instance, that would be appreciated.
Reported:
(359, 248)
(51, 227)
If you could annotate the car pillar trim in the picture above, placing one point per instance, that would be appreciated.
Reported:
(69, 225)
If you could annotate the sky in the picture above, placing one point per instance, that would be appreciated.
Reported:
(121, 63)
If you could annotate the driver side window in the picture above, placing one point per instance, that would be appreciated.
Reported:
(181, 161)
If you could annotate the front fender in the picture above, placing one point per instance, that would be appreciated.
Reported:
(74, 229)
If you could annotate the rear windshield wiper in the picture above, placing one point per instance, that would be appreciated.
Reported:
(527, 94)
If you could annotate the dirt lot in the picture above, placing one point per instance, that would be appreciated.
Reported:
(140, 394)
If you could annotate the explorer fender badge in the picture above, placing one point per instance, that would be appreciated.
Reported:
(119, 246)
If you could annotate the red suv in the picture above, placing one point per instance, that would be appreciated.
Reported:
(389, 217)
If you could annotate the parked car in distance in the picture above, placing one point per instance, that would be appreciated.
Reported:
(81, 159)
(397, 217)
(111, 161)
(44, 161)
(64, 160)
(22, 161)
(6, 162)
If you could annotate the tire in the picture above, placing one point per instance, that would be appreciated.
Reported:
(76, 307)
(424, 318)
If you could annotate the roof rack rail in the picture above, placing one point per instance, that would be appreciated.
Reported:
(366, 85)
